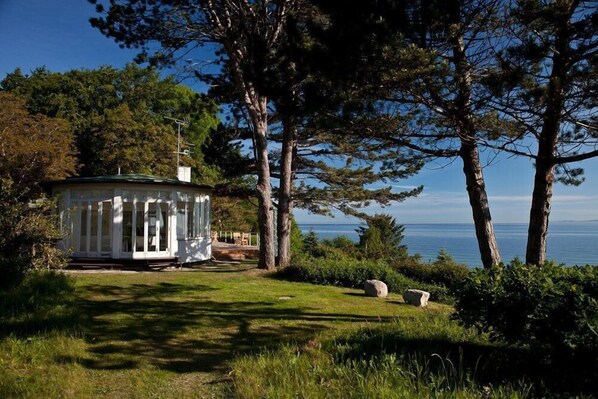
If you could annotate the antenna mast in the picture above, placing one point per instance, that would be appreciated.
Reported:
(180, 122)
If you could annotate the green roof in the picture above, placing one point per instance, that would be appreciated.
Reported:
(131, 178)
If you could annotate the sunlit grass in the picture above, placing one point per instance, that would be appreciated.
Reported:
(226, 333)
(412, 357)
(172, 335)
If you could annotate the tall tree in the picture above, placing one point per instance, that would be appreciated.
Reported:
(424, 63)
(112, 111)
(33, 148)
(317, 107)
(382, 237)
(548, 85)
(244, 32)
(310, 144)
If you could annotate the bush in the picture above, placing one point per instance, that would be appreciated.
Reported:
(28, 233)
(38, 293)
(42, 302)
(340, 247)
(382, 238)
(353, 273)
(296, 238)
(444, 271)
(551, 308)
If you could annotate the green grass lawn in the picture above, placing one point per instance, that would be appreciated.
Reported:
(176, 334)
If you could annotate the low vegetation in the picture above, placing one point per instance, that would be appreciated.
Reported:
(239, 333)
(426, 356)
(379, 255)
(551, 310)
(353, 273)
(164, 335)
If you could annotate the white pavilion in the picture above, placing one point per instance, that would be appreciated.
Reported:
(134, 218)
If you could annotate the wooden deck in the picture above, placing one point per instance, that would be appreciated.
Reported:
(228, 252)
(122, 264)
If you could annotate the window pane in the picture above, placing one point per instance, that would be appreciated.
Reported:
(152, 195)
(83, 246)
(127, 196)
(163, 220)
(140, 227)
(76, 229)
(206, 218)
(93, 239)
(106, 225)
(190, 219)
(180, 220)
(127, 226)
(91, 194)
(152, 218)
(165, 195)
(197, 214)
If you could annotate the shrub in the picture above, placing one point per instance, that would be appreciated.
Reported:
(42, 302)
(296, 238)
(340, 245)
(444, 271)
(382, 238)
(353, 273)
(28, 232)
(38, 293)
(552, 309)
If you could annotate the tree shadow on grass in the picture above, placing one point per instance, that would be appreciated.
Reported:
(485, 364)
(180, 328)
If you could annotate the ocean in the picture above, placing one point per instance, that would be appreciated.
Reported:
(571, 243)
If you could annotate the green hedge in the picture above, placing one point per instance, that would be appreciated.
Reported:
(551, 306)
(552, 310)
(445, 271)
(353, 273)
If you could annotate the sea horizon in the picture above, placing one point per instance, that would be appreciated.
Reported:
(569, 242)
(471, 223)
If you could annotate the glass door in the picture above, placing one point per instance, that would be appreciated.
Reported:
(91, 231)
(145, 229)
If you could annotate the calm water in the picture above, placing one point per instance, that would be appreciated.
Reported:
(571, 243)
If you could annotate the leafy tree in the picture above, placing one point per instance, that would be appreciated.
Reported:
(419, 63)
(122, 143)
(131, 105)
(34, 148)
(382, 238)
(28, 234)
(315, 108)
(547, 86)
(244, 34)
(234, 214)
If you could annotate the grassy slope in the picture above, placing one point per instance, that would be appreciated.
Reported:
(173, 334)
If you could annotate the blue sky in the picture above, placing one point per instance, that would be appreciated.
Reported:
(57, 34)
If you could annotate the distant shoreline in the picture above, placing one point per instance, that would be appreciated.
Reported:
(569, 242)
(432, 223)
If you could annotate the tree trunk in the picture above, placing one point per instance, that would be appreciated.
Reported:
(257, 108)
(285, 200)
(264, 194)
(478, 199)
(537, 233)
(469, 153)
